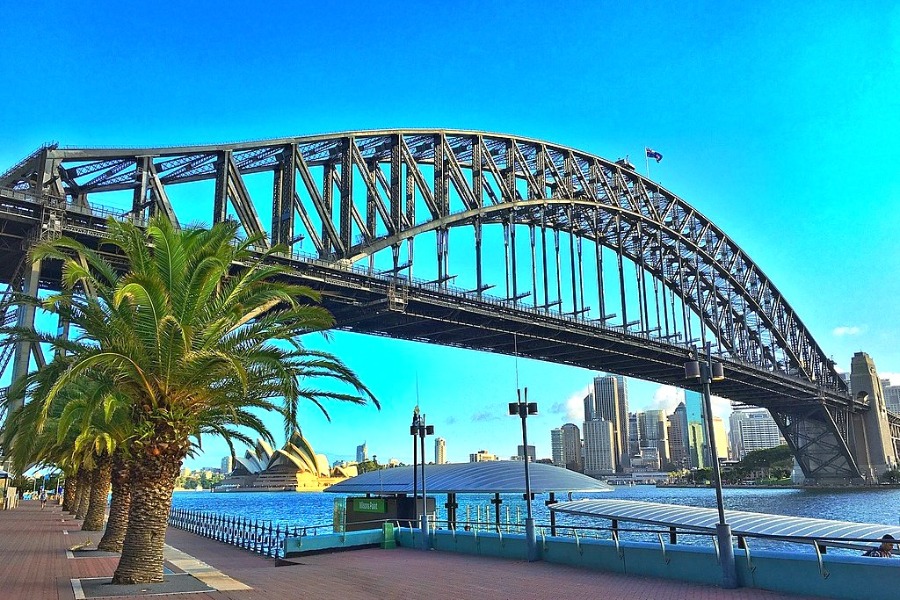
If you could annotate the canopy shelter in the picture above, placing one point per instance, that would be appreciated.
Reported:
(495, 477)
(781, 527)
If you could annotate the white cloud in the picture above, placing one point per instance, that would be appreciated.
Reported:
(573, 407)
(894, 377)
(844, 330)
(666, 398)
(721, 407)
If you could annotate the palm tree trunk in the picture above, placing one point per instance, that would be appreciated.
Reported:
(117, 524)
(84, 493)
(69, 492)
(152, 483)
(93, 520)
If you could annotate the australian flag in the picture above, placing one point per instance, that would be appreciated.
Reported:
(651, 153)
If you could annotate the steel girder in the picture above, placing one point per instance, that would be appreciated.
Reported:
(385, 305)
(817, 436)
(462, 178)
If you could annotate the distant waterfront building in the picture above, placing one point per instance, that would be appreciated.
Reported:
(227, 465)
(440, 451)
(362, 453)
(891, 397)
(753, 429)
(679, 451)
(608, 401)
(295, 467)
(599, 448)
(532, 452)
(482, 456)
(646, 460)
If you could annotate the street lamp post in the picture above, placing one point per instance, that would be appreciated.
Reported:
(522, 410)
(420, 429)
(707, 371)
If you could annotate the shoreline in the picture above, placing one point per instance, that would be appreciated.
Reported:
(883, 486)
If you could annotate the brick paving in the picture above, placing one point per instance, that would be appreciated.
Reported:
(34, 566)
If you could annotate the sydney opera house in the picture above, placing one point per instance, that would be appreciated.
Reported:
(295, 467)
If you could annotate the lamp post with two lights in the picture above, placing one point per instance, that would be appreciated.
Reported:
(420, 429)
(522, 409)
(707, 371)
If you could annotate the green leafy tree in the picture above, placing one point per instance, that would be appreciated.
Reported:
(198, 335)
(890, 476)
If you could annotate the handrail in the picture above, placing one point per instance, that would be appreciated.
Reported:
(662, 545)
(822, 569)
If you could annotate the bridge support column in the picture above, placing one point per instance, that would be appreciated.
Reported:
(873, 445)
(818, 438)
(22, 357)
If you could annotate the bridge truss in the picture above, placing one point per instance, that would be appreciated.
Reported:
(475, 240)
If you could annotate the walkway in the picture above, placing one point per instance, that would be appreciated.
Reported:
(34, 566)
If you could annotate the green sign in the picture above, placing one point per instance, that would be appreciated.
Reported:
(369, 505)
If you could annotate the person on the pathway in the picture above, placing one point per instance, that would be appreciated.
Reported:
(43, 498)
(886, 548)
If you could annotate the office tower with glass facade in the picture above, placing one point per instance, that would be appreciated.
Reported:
(696, 426)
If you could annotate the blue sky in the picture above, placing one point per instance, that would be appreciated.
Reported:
(776, 120)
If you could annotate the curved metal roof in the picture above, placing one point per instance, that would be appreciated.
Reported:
(742, 523)
(472, 478)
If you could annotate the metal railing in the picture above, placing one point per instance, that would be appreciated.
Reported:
(259, 536)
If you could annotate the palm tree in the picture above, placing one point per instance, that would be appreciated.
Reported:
(200, 334)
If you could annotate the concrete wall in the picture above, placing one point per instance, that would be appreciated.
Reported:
(846, 578)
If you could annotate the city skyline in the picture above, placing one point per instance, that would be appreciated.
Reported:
(762, 113)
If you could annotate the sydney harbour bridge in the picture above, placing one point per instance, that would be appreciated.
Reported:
(476, 240)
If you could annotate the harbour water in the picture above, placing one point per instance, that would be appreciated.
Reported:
(306, 509)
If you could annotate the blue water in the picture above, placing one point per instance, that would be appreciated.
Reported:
(298, 509)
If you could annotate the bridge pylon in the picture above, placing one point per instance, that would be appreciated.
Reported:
(872, 442)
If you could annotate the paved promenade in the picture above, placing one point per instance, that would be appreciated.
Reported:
(34, 566)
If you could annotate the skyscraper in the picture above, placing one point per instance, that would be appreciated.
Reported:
(440, 451)
(572, 440)
(608, 401)
(558, 447)
(362, 453)
(679, 451)
(634, 435)
(227, 465)
(599, 448)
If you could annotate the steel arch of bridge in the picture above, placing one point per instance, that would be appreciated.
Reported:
(355, 195)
